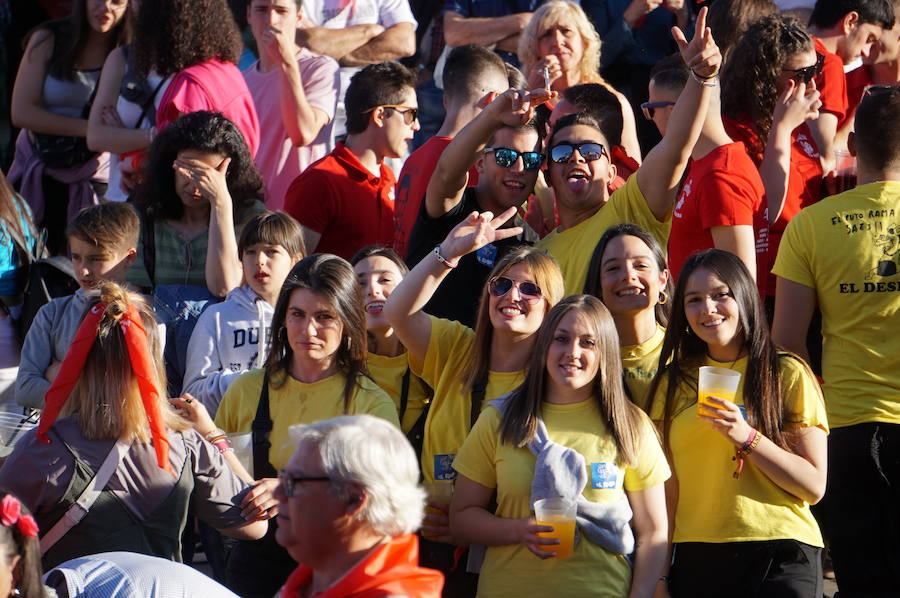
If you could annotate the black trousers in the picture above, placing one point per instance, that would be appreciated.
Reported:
(862, 509)
(767, 569)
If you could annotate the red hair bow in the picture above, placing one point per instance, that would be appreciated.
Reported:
(141, 365)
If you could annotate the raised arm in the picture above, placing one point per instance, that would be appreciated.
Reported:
(302, 122)
(459, 30)
(796, 105)
(512, 107)
(397, 41)
(403, 308)
(660, 173)
(102, 134)
(27, 110)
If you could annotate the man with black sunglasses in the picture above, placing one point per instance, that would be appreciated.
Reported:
(578, 168)
(843, 31)
(503, 144)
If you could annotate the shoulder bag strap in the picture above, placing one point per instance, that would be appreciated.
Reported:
(404, 393)
(149, 103)
(261, 427)
(148, 244)
(477, 396)
(86, 500)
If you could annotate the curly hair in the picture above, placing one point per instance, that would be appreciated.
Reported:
(171, 35)
(207, 132)
(750, 77)
(553, 13)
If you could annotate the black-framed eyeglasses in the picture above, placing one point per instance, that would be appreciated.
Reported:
(410, 114)
(506, 157)
(289, 481)
(589, 150)
(808, 73)
(649, 108)
(501, 285)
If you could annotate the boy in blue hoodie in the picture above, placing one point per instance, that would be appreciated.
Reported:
(102, 245)
(232, 337)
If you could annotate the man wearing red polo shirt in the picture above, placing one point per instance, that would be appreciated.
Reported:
(843, 30)
(345, 201)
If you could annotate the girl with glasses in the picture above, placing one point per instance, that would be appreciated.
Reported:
(628, 273)
(767, 98)
(469, 367)
(746, 468)
(603, 453)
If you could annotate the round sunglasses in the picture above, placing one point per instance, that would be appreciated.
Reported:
(501, 285)
(506, 157)
(589, 150)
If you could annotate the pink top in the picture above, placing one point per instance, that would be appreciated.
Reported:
(278, 160)
(215, 86)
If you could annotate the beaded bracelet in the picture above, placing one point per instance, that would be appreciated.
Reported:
(443, 259)
(222, 444)
(748, 447)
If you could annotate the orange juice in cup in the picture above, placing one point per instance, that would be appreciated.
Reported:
(560, 514)
(716, 382)
(438, 491)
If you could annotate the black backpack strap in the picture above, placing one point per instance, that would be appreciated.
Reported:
(404, 393)
(148, 244)
(261, 427)
(477, 395)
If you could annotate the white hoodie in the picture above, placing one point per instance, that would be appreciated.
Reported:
(225, 344)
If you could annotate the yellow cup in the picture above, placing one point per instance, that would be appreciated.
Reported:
(438, 491)
(560, 514)
(716, 382)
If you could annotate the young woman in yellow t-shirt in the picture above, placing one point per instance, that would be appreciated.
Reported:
(628, 273)
(468, 368)
(379, 270)
(748, 468)
(574, 388)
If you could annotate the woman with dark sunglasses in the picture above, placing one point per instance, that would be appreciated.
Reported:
(465, 367)
(768, 95)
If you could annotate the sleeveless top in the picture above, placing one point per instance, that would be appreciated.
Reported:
(68, 98)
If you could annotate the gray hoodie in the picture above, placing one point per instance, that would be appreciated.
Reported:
(47, 341)
(229, 339)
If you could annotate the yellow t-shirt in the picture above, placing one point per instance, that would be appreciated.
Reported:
(712, 505)
(388, 374)
(297, 403)
(573, 247)
(639, 364)
(847, 248)
(512, 570)
(448, 419)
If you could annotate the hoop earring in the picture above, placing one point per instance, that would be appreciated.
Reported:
(663, 298)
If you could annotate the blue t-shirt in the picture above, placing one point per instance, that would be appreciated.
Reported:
(644, 45)
(9, 259)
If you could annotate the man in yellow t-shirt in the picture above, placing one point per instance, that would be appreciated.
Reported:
(843, 254)
(579, 172)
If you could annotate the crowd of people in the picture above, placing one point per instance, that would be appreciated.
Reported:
(237, 330)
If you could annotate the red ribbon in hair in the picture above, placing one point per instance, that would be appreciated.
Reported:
(141, 365)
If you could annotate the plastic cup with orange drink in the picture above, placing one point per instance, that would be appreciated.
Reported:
(721, 383)
(558, 513)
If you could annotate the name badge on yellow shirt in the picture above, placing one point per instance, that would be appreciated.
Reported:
(604, 476)
(443, 467)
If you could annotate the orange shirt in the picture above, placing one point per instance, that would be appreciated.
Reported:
(340, 199)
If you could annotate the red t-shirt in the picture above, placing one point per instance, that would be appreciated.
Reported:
(832, 84)
(722, 188)
(857, 81)
(340, 199)
(804, 186)
(412, 185)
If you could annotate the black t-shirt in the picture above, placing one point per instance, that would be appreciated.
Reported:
(457, 297)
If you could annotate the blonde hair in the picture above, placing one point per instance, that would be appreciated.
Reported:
(547, 276)
(553, 13)
(106, 396)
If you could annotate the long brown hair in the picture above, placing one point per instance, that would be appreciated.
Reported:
(106, 396)
(622, 418)
(547, 276)
(685, 352)
(333, 279)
